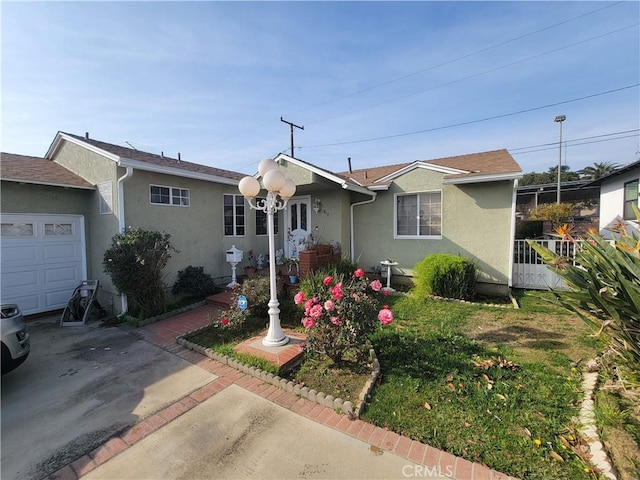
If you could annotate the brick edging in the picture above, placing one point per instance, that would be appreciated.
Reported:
(300, 390)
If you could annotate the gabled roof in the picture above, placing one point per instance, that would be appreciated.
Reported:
(130, 157)
(475, 167)
(36, 170)
(336, 178)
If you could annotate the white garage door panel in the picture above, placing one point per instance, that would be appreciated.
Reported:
(41, 270)
(13, 254)
(57, 253)
(58, 299)
(27, 302)
(66, 274)
(13, 279)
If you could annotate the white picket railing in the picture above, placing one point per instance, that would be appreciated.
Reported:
(530, 271)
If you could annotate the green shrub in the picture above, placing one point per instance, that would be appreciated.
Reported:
(257, 290)
(445, 275)
(193, 281)
(135, 261)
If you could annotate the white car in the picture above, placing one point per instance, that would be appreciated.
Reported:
(15, 338)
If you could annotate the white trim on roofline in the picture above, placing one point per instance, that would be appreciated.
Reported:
(323, 173)
(137, 164)
(421, 164)
(48, 184)
(57, 142)
(178, 172)
(483, 178)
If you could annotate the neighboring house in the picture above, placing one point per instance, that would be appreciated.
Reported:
(59, 214)
(618, 193)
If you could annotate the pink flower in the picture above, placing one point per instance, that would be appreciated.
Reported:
(336, 291)
(224, 321)
(376, 285)
(336, 320)
(359, 273)
(315, 312)
(301, 347)
(329, 305)
(307, 306)
(386, 292)
(356, 297)
(327, 280)
(308, 322)
(385, 315)
(299, 298)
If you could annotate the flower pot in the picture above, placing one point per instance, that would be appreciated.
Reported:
(293, 279)
(250, 271)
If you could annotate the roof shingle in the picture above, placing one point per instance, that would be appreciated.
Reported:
(27, 169)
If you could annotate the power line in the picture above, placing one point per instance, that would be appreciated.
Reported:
(476, 74)
(462, 57)
(432, 67)
(555, 144)
(572, 144)
(470, 122)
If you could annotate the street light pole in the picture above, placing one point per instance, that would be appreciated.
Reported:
(560, 119)
(279, 191)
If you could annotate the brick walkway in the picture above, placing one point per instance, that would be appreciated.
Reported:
(163, 334)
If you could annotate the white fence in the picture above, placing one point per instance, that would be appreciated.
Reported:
(530, 271)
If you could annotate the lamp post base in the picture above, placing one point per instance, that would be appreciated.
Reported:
(267, 342)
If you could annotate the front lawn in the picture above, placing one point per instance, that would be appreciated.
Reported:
(497, 386)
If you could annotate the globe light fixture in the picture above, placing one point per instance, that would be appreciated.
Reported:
(279, 191)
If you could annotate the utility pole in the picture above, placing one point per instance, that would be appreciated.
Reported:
(291, 125)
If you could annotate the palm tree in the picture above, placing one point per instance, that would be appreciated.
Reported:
(598, 170)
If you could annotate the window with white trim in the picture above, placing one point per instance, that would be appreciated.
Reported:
(261, 220)
(419, 215)
(630, 199)
(234, 220)
(176, 196)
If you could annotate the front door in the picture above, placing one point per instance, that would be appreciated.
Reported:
(297, 224)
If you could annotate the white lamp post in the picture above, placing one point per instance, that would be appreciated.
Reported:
(279, 191)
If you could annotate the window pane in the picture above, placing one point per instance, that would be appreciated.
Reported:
(159, 194)
(406, 214)
(17, 229)
(430, 213)
(303, 216)
(630, 199)
(294, 216)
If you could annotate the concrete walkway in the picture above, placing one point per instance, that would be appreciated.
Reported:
(238, 426)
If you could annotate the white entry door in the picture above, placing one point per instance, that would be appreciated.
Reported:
(43, 260)
(297, 224)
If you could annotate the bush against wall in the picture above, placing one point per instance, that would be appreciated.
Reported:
(556, 213)
(446, 275)
(193, 281)
(134, 262)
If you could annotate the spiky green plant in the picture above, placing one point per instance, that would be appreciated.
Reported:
(604, 284)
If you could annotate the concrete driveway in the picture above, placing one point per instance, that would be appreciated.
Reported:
(119, 403)
(79, 387)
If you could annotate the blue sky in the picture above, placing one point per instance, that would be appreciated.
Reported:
(380, 82)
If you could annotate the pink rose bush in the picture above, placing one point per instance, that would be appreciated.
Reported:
(340, 313)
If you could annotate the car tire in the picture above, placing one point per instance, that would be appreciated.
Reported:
(8, 363)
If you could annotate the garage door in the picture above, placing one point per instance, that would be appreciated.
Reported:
(42, 262)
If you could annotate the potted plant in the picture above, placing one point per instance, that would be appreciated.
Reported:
(261, 260)
(292, 269)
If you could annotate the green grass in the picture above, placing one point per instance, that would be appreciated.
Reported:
(497, 386)
(433, 392)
